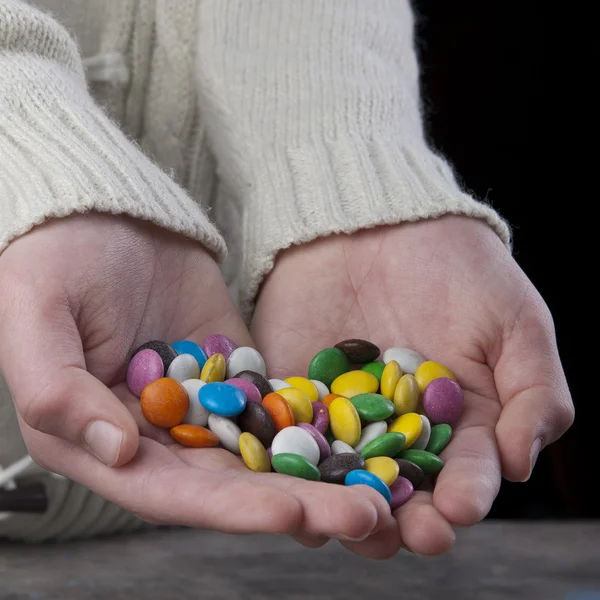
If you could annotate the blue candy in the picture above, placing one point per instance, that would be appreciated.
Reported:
(189, 347)
(222, 399)
(361, 477)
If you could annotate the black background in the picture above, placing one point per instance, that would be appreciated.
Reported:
(492, 90)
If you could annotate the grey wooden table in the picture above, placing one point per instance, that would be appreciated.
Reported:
(491, 561)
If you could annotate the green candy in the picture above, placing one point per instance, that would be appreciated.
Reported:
(372, 407)
(430, 463)
(296, 466)
(388, 444)
(375, 368)
(328, 365)
(439, 438)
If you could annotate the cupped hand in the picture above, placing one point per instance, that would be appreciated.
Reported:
(78, 295)
(449, 289)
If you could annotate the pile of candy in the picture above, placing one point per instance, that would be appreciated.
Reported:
(355, 419)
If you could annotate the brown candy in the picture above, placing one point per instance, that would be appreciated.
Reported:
(359, 352)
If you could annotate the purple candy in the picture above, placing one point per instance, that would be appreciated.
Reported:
(251, 391)
(402, 489)
(322, 442)
(145, 367)
(218, 344)
(269, 453)
(320, 417)
(443, 401)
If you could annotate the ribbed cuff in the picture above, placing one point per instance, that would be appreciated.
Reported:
(60, 154)
(342, 186)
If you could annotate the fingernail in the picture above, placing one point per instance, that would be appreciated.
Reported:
(345, 538)
(533, 456)
(103, 440)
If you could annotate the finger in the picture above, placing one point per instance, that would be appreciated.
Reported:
(311, 541)
(379, 546)
(423, 528)
(45, 369)
(537, 405)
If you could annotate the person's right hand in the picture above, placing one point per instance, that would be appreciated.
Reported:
(77, 296)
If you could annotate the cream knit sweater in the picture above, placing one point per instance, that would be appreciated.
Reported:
(255, 124)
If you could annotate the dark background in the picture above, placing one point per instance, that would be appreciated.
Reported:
(493, 102)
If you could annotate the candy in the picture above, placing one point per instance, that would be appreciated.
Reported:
(189, 347)
(443, 400)
(218, 344)
(327, 365)
(299, 403)
(388, 444)
(410, 425)
(354, 383)
(245, 358)
(194, 436)
(321, 388)
(164, 350)
(375, 368)
(406, 395)
(250, 390)
(439, 438)
(412, 472)
(429, 463)
(389, 379)
(295, 465)
(408, 359)
(385, 468)
(253, 453)
(336, 467)
(279, 409)
(324, 448)
(145, 367)
(421, 442)
(320, 420)
(278, 384)
(358, 351)
(372, 407)
(339, 447)
(222, 399)
(344, 421)
(262, 383)
(196, 414)
(327, 400)
(402, 489)
(185, 366)
(213, 370)
(164, 402)
(256, 420)
(369, 433)
(361, 477)
(428, 371)
(305, 385)
(294, 440)
(227, 431)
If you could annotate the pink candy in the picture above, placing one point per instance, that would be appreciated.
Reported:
(218, 344)
(145, 367)
(251, 391)
(443, 401)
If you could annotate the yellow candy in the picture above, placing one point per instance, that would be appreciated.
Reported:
(428, 371)
(387, 469)
(390, 378)
(406, 395)
(306, 385)
(299, 403)
(214, 369)
(410, 425)
(344, 421)
(354, 383)
(254, 454)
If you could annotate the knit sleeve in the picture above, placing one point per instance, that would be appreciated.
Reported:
(314, 110)
(59, 152)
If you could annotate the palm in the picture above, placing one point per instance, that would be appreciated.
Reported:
(445, 289)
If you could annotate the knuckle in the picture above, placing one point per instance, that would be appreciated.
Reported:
(44, 409)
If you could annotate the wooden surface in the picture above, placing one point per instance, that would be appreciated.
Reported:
(492, 561)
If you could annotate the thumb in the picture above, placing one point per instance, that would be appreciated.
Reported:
(45, 369)
(537, 405)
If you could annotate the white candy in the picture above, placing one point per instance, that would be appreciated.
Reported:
(227, 432)
(196, 414)
(370, 433)
(321, 388)
(245, 358)
(278, 384)
(183, 367)
(339, 447)
(408, 359)
(297, 441)
(421, 442)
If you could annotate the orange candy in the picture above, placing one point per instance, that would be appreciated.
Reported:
(327, 400)
(164, 402)
(194, 436)
(279, 409)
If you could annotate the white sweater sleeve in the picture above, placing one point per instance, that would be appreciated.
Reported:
(59, 152)
(315, 121)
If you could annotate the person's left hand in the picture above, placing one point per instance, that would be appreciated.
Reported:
(449, 289)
